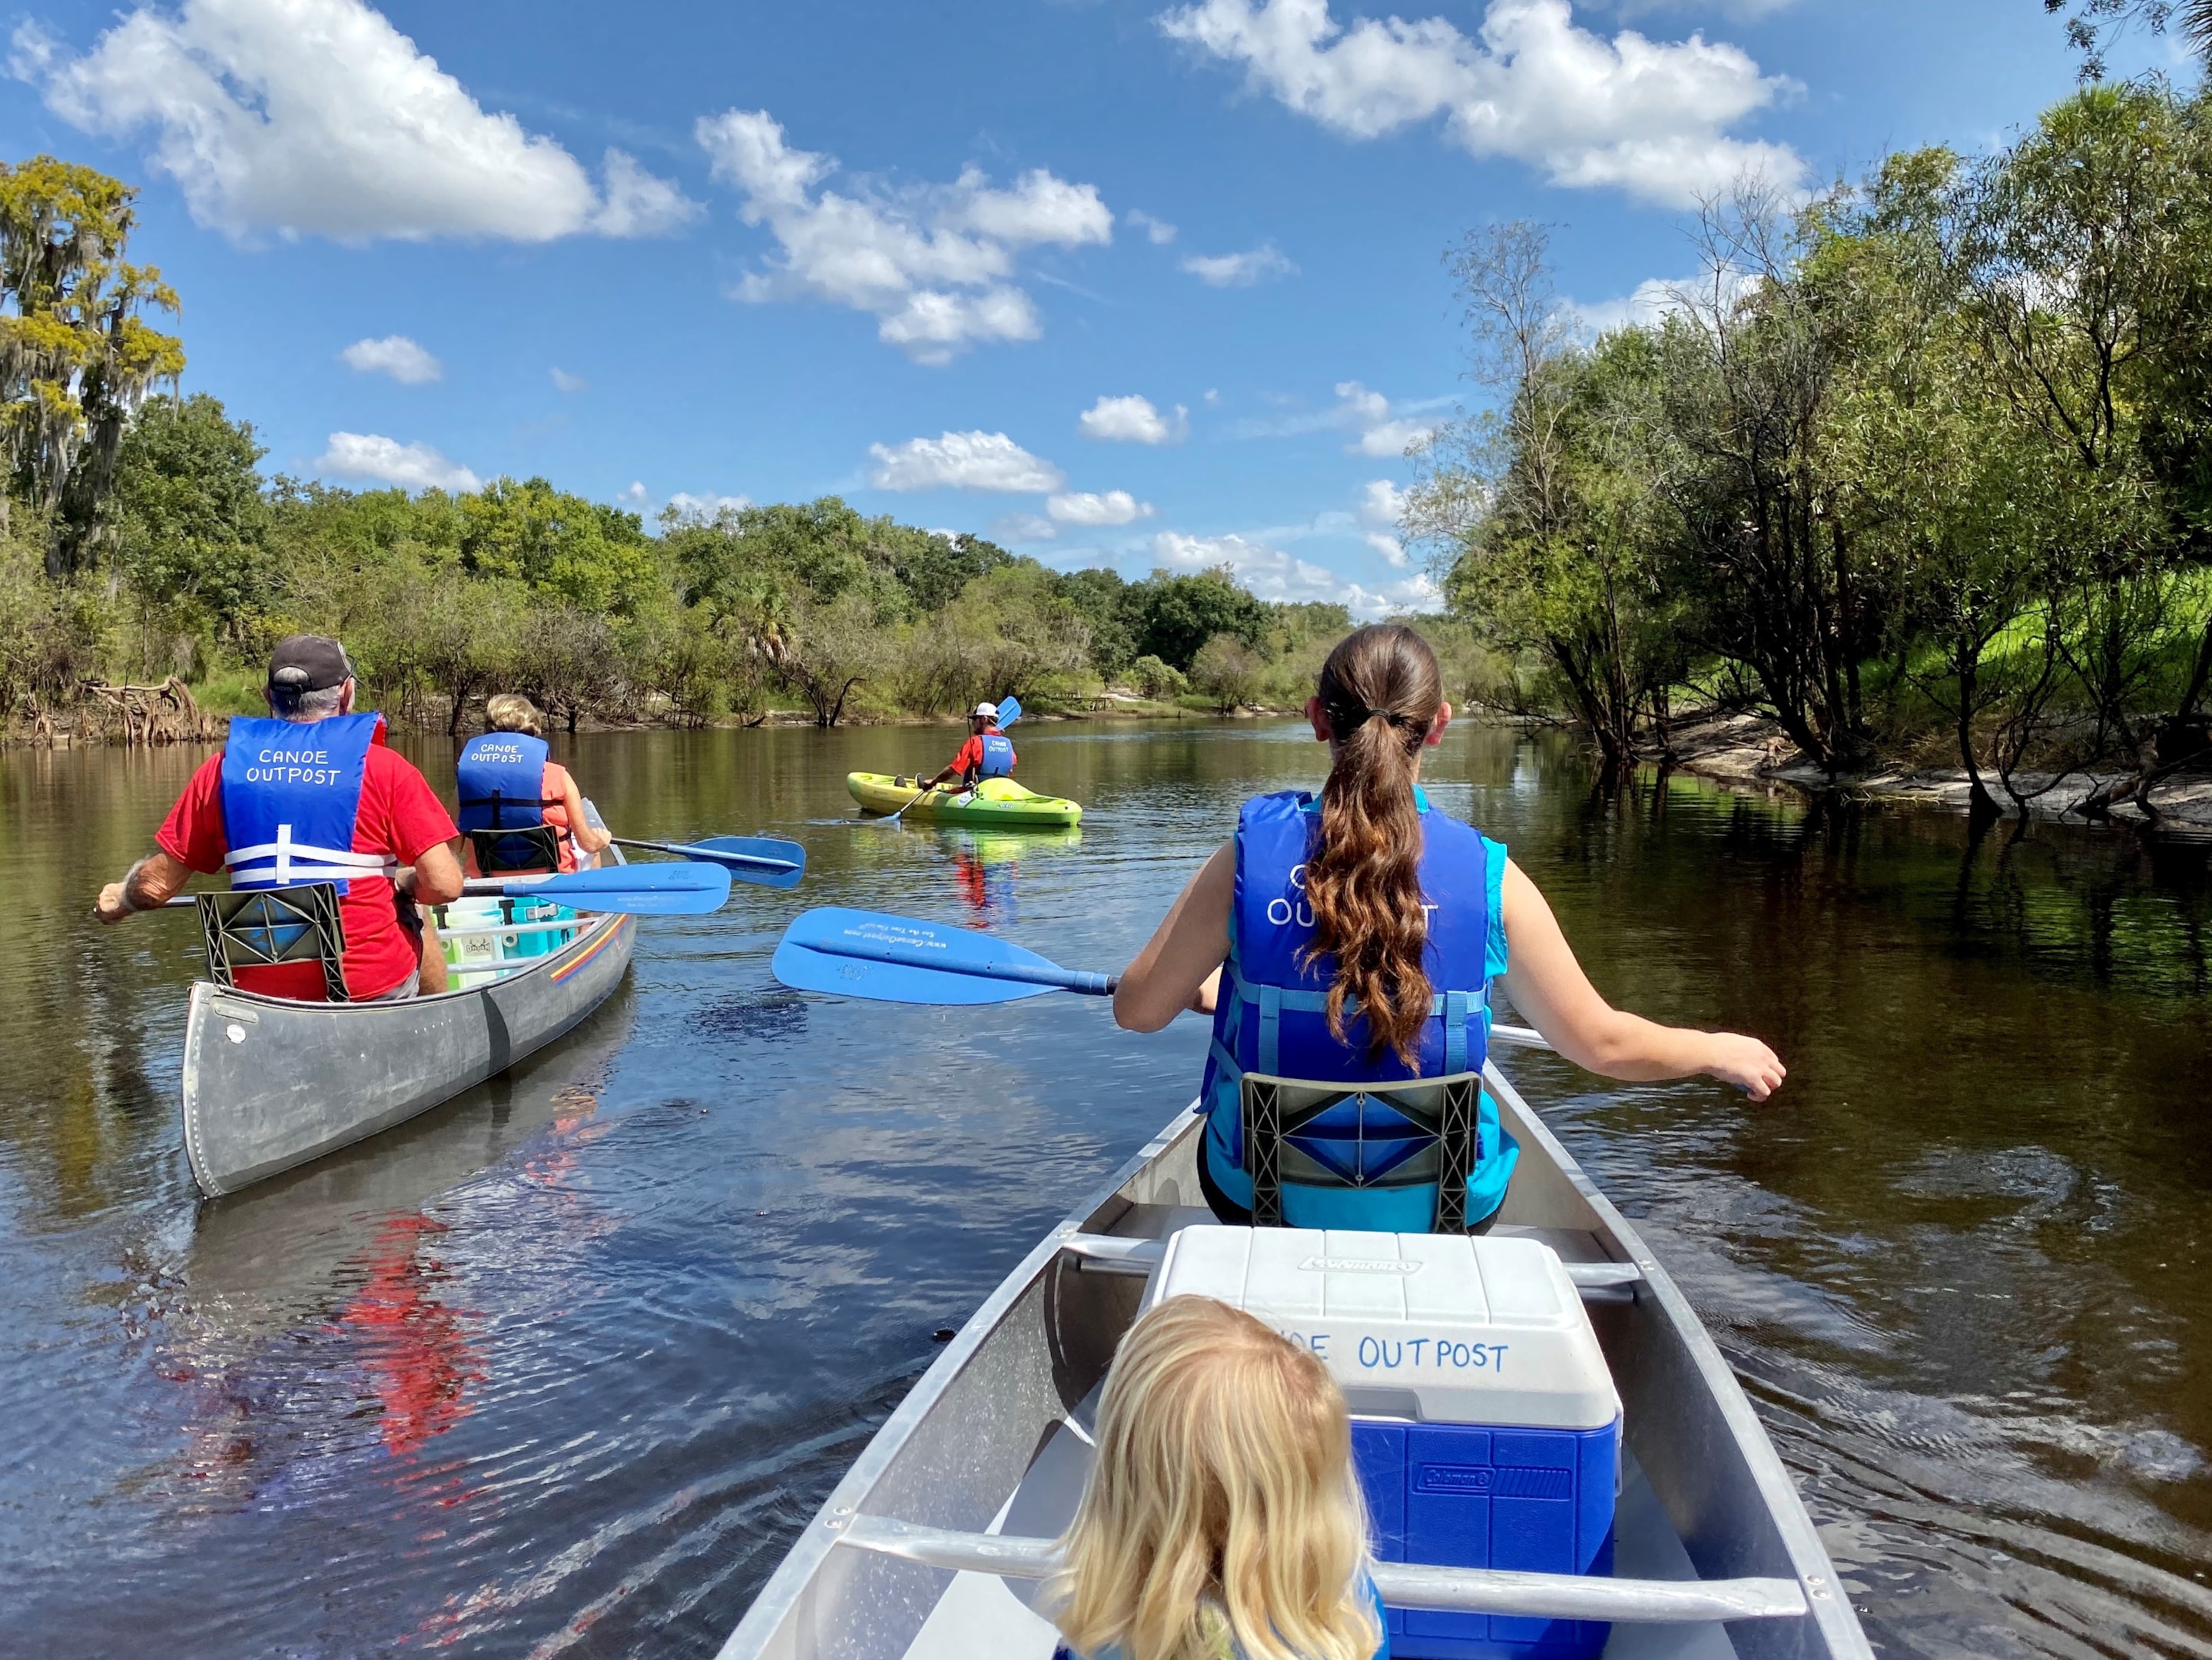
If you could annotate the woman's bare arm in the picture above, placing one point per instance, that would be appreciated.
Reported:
(1181, 964)
(1548, 985)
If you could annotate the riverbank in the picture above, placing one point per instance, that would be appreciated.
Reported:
(1749, 749)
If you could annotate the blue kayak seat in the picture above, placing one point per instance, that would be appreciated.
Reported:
(522, 848)
(1400, 1134)
(262, 928)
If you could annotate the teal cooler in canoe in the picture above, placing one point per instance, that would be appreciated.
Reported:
(538, 942)
(1485, 1428)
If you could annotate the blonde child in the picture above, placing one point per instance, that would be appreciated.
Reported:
(1222, 1520)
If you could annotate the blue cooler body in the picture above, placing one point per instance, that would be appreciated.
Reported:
(1485, 1428)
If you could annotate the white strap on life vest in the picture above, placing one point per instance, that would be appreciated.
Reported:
(285, 863)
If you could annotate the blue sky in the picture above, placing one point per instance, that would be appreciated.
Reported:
(1114, 282)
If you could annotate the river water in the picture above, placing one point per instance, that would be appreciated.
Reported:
(560, 1369)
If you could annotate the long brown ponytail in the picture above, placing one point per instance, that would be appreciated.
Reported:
(1380, 689)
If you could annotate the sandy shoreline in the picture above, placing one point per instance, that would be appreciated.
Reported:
(1749, 749)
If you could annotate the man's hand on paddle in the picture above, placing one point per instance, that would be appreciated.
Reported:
(146, 886)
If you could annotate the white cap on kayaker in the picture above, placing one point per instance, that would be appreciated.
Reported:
(988, 711)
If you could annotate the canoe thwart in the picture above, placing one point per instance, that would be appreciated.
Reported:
(1107, 1252)
(1462, 1590)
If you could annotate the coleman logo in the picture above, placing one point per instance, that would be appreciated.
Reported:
(1357, 1265)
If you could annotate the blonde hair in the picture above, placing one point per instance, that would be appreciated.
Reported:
(1222, 1505)
(510, 711)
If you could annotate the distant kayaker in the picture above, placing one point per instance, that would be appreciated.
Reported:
(509, 781)
(1366, 930)
(313, 794)
(989, 753)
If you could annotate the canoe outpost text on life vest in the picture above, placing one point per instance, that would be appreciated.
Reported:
(292, 766)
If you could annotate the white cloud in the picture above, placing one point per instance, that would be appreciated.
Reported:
(396, 355)
(639, 204)
(1132, 420)
(933, 264)
(709, 505)
(1023, 527)
(318, 117)
(1656, 299)
(1392, 549)
(1646, 117)
(365, 455)
(962, 461)
(1238, 270)
(1274, 574)
(1381, 503)
(635, 498)
(1088, 507)
(564, 381)
(1158, 230)
(1381, 432)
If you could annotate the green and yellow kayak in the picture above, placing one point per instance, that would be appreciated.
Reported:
(999, 803)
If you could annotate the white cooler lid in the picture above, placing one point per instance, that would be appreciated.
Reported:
(1441, 1327)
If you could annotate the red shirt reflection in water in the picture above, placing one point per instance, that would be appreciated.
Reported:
(419, 1352)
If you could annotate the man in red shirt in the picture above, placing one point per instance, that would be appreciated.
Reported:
(988, 752)
(283, 768)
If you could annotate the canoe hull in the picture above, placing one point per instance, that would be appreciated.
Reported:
(270, 1083)
(997, 803)
(960, 1442)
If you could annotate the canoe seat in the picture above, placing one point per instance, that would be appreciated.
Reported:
(259, 927)
(1406, 1133)
(504, 852)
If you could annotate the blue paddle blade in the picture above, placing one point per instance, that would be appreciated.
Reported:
(1009, 712)
(897, 959)
(637, 890)
(766, 862)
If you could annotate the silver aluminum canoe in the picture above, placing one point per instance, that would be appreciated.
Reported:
(271, 1083)
(931, 1544)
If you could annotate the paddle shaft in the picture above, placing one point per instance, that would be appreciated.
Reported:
(708, 856)
(1075, 980)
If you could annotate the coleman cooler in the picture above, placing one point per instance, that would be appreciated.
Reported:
(1485, 1424)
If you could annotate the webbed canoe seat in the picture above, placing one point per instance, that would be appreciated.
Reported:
(260, 927)
(531, 848)
(1401, 1134)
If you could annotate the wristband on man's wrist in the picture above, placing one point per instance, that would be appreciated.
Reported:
(130, 880)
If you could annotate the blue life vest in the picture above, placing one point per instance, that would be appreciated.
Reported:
(997, 757)
(291, 791)
(502, 776)
(1271, 1019)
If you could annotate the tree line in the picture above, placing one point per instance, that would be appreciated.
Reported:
(1920, 461)
(139, 540)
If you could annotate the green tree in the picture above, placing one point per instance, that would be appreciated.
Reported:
(1156, 679)
(2086, 272)
(593, 556)
(75, 358)
(1552, 511)
(1227, 670)
(1170, 617)
(192, 527)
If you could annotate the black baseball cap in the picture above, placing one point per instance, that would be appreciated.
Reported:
(308, 662)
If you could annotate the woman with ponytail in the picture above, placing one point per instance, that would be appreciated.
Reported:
(1353, 940)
